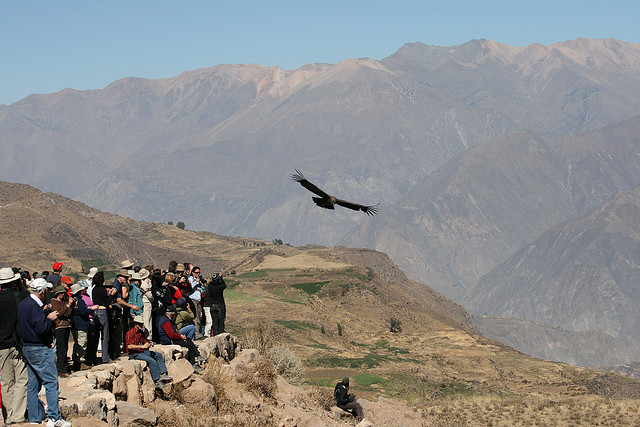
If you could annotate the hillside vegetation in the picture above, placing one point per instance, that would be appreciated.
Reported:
(333, 308)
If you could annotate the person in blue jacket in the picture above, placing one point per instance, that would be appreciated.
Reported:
(36, 330)
(82, 330)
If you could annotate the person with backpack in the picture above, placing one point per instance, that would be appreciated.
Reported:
(346, 401)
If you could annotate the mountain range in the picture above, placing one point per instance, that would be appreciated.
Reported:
(474, 151)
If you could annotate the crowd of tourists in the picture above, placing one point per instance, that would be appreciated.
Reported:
(140, 307)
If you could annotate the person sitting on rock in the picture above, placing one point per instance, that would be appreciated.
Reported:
(169, 334)
(184, 319)
(346, 401)
(137, 346)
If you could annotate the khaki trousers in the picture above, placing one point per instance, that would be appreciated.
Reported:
(14, 378)
(79, 345)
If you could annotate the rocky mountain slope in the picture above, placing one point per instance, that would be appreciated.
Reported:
(593, 348)
(493, 199)
(225, 138)
(581, 275)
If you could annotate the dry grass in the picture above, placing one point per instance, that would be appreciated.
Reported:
(322, 397)
(529, 411)
(261, 338)
(172, 415)
(219, 379)
(260, 377)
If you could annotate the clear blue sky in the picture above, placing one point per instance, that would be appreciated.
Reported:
(49, 45)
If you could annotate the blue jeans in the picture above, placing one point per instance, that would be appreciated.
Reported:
(41, 367)
(189, 331)
(154, 360)
(103, 320)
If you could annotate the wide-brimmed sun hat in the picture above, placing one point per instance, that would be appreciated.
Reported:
(7, 275)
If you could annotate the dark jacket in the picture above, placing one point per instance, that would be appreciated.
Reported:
(100, 297)
(35, 328)
(341, 394)
(166, 330)
(213, 293)
(9, 319)
(81, 320)
(161, 299)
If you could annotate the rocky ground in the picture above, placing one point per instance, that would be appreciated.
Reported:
(236, 387)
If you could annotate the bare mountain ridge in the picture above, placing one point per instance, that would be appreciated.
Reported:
(594, 349)
(40, 227)
(406, 114)
(579, 82)
(493, 199)
(581, 275)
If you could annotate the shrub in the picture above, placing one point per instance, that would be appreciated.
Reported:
(218, 378)
(287, 363)
(395, 325)
(339, 329)
(260, 377)
(323, 397)
(180, 225)
(262, 338)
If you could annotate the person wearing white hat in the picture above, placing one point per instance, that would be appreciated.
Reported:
(147, 300)
(13, 370)
(82, 317)
(89, 279)
(36, 331)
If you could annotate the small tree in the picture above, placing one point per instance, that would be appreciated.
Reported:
(395, 325)
(180, 225)
(170, 222)
(277, 241)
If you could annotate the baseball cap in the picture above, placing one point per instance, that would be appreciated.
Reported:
(38, 285)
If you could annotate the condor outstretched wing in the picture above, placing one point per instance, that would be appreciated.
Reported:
(369, 210)
(298, 177)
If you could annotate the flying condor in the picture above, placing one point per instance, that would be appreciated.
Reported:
(328, 202)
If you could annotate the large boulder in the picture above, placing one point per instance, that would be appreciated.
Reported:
(119, 387)
(132, 367)
(102, 379)
(180, 370)
(97, 404)
(222, 345)
(148, 388)
(170, 352)
(198, 391)
(130, 415)
(133, 391)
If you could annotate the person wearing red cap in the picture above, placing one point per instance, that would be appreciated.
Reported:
(66, 282)
(56, 276)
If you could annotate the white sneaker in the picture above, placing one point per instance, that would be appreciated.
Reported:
(58, 423)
